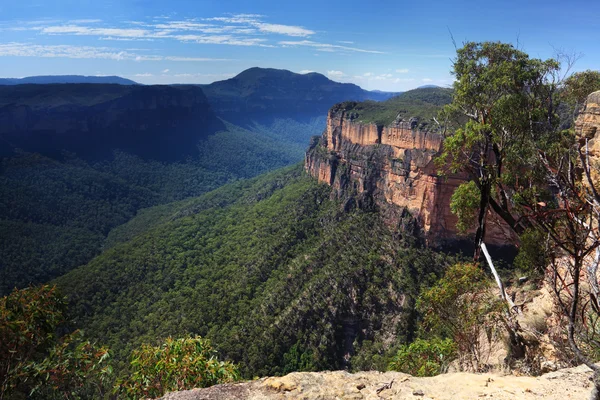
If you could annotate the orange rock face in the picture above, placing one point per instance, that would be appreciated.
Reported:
(395, 166)
(587, 128)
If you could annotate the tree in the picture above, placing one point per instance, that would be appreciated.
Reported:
(579, 85)
(506, 99)
(461, 307)
(177, 364)
(534, 176)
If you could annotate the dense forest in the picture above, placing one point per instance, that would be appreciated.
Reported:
(272, 270)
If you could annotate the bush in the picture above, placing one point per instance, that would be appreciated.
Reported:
(177, 364)
(34, 362)
(424, 357)
(461, 306)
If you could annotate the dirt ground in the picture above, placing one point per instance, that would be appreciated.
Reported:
(571, 383)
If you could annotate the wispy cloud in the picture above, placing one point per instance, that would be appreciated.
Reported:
(236, 30)
(288, 30)
(88, 52)
(327, 46)
(427, 80)
(335, 74)
(306, 71)
(92, 31)
(402, 71)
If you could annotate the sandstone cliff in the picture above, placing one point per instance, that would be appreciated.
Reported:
(587, 128)
(394, 167)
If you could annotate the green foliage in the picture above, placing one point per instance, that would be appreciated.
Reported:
(422, 103)
(465, 205)
(34, 362)
(177, 364)
(296, 359)
(55, 215)
(74, 368)
(461, 307)
(533, 254)
(579, 85)
(503, 111)
(424, 357)
(256, 267)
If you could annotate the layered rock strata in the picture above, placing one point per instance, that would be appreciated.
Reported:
(587, 128)
(392, 166)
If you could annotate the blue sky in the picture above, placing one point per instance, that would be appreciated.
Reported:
(378, 44)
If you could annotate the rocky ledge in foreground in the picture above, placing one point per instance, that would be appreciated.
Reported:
(571, 383)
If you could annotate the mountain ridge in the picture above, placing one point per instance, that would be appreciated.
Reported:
(66, 79)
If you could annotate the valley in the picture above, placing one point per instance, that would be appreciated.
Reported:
(274, 226)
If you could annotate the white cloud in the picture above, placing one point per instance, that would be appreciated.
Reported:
(144, 75)
(288, 30)
(427, 80)
(367, 74)
(402, 71)
(89, 31)
(335, 74)
(165, 71)
(306, 71)
(256, 21)
(89, 52)
(222, 39)
(85, 21)
(345, 42)
(327, 46)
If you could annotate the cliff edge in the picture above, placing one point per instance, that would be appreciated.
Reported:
(572, 383)
(393, 167)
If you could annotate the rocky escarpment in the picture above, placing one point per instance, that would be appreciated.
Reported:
(91, 120)
(392, 166)
(587, 128)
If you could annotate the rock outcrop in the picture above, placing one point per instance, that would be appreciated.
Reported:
(391, 166)
(570, 383)
(587, 128)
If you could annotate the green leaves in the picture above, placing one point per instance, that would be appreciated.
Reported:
(34, 361)
(460, 306)
(465, 204)
(177, 364)
(504, 113)
(424, 357)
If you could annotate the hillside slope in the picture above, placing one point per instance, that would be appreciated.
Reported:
(275, 273)
(79, 160)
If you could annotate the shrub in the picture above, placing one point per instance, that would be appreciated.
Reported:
(177, 364)
(461, 306)
(424, 357)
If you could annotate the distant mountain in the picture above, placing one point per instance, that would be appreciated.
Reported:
(91, 120)
(48, 79)
(282, 104)
(259, 91)
(428, 86)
